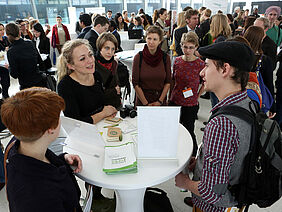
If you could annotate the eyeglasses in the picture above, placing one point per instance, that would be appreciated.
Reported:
(271, 14)
(188, 47)
(22, 25)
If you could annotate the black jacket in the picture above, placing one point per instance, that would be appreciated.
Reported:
(92, 37)
(23, 59)
(44, 48)
(178, 34)
(34, 185)
(269, 49)
(84, 31)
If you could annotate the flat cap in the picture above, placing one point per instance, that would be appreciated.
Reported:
(235, 53)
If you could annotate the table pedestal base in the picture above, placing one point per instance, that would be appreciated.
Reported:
(130, 200)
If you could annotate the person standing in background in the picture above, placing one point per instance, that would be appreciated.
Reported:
(274, 32)
(60, 34)
(4, 72)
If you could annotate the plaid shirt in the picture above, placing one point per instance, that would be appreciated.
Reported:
(220, 144)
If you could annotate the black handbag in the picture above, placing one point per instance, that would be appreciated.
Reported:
(51, 82)
(156, 200)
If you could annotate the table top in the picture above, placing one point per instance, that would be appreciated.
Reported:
(150, 171)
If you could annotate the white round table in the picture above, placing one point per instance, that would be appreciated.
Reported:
(129, 188)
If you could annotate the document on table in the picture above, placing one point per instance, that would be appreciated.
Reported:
(86, 137)
(158, 131)
(120, 159)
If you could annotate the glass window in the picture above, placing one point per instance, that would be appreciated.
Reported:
(116, 6)
(15, 10)
(135, 5)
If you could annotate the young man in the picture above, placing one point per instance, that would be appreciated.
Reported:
(85, 24)
(226, 138)
(109, 15)
(100, 25)
(191, 17)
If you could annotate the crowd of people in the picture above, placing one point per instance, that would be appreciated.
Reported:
(220, 54)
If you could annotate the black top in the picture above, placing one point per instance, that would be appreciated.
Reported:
(269, 49)
(82, 101)
(4, 43)
(44, 48)
(34, 185)
(23, 59)
(84, 31)
(92, 37)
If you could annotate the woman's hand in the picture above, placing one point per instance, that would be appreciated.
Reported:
(155, 104)
(118, 89)
(109, 111)
(74, 160)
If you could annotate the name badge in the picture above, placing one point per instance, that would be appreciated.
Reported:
(187, 92)
(233, 209)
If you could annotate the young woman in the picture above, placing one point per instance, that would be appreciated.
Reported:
(186, 82)
(220, 29)
(160, 17)
(23, 59)
(106, 66)
(145, 22)
(42, 43)
(255, 35)
(138, 23)
(4, 72)
(151, 77)
(80, 85)
(121, 25)
(60, 34)
(37, 179)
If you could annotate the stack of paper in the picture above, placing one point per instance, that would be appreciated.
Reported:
(120, 159)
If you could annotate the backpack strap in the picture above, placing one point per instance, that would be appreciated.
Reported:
(164, 59)
(140, 59)
(234, 110)
(5, 162)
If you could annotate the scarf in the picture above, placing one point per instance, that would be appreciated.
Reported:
(152, 60)
(103, 62)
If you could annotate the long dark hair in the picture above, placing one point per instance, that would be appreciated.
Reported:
(38, 27)
(116, 19)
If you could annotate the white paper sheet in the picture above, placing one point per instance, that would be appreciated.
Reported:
(92, 139)
(158, 131)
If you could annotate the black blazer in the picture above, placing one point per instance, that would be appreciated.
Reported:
(83, 32)
(177, 35)
(269, 49)
(44, 48)
(92, 37)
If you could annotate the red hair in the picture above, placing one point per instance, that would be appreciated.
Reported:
(31, 112)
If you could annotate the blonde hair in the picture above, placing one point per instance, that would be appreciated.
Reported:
(181, 22)
(220, 26)
(190, 37)
(66, 56)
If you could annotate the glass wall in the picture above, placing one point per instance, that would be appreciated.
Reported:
(10, 10)
(48, 10)
(114, 5)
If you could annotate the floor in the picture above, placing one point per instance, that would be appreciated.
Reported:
(175, 195)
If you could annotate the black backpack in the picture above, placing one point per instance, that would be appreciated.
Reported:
(260, 182)
(156, 200)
